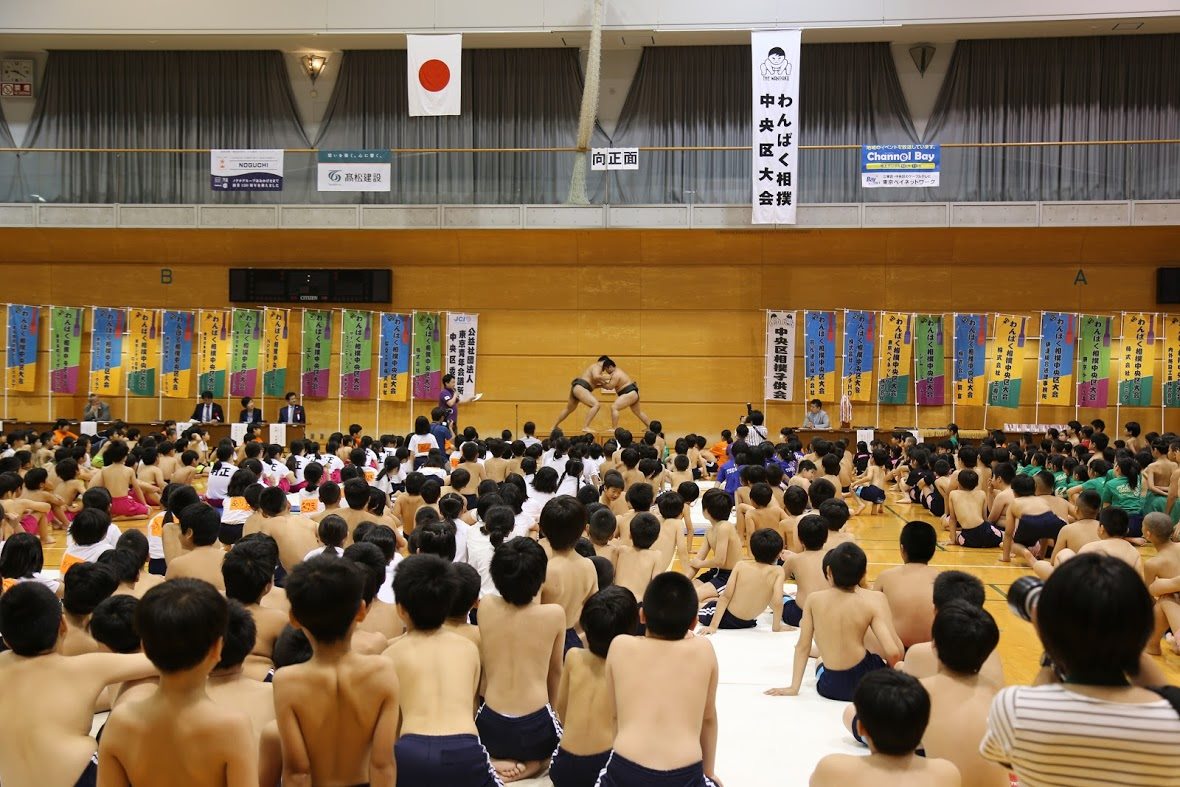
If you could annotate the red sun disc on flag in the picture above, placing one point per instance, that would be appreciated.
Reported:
(434, 75)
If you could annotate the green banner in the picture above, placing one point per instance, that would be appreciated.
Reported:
(427, 362)
(65, 343)
(356, 354)
(316, 353)
(929, 360)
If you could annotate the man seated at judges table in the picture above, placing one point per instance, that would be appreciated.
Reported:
(292, 412)
(250, 414)
(208, 411)
(816, 418)
(96, 409)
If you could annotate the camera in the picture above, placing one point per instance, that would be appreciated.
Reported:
(1024, 595)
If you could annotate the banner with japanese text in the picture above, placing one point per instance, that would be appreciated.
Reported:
(1094, 336)
(462, 339)
(315, 368)
(106, 351)
(393, 358)
(1171, 382)
(774, 58)
(356, 354)
(1007, 365)
(176, 354)
(427, 361)
(779, 379)
(1139, 332)
(276, 343)
(65, 349)
(1055, 365)
(970, 357)
(213, 352)
(143, 356)
(24, 324)
(819, 355)
(897, 355)
(860, 342)
(246, 339)
(929, 360)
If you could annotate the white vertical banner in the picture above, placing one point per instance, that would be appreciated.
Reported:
(462, 340)
(774, 57)
(780, 356)
(433, 74)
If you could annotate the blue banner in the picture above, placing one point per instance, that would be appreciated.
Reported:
(21, 355)
(900, 166)
(860, 345)
(177, 354)
(106, 351)
(819, 355)
(970, 356)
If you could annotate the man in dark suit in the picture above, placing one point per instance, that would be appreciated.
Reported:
(208, 411)
(293, 412)
(250, 414)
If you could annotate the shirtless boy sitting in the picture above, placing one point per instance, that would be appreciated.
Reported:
(1073, 536)
(199, 527)
(182, 624)
(909, 588)
(839, 618)
(570, 579)
(666, 719)
(966, 508)
(338, 712)
(806, 567)
(521, 644)
(248, 574)
(949, 587)
(585, 707)
(753, 586)
(1112, 534)
(722, 540)
(893, 711)
(1029, 520)
(56, 748)
(438, 672)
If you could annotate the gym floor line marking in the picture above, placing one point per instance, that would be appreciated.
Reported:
(997, 589)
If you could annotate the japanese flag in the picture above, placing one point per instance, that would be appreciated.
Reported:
(433, 74)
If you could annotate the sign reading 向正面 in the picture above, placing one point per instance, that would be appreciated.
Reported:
(614, 158)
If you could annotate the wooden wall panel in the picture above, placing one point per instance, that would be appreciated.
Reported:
(682, 310)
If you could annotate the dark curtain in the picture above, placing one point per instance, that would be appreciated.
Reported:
(700, 96)
(157, 100)
(511, 98)
(1060, 89)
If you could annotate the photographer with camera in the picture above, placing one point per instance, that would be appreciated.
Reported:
(1091, 719)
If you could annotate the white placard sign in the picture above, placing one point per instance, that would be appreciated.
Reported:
(88, 428)
(461, 342)
(237, 432)
(278, 434)
(614, 158)
(780, 356)
(353, 170)
(775, 61)
(246, 170)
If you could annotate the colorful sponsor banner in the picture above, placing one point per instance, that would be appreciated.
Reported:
(775, 61)
(427, 355)
(1055, 364)
(462, 340)
(1139, 331)
(1007, 367)
(246, 170)
(1094, 335)
(779, 379)
(819, 354)
(21, 355)
(899, 166)
(1171, 383)
(65, 349)
(245, 341)
(176, 354)
(316, 343)
(143, 356)
(393, 365)
(353, 170)
(897, 355)
(106, 351)
(929, 360)
(860, 342)
(970, 355)
(356, 354)
(276, 344)
(213, 352)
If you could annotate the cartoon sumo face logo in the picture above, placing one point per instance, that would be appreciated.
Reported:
(775, 66)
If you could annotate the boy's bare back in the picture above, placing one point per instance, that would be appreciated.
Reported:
(585, 704)
(845, 770)
(635, 568)
(438, 673)
(570, 579)
(521, 650)
(909, 590)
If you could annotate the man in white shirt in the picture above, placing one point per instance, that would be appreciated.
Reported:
(208, 411)
(816, 418)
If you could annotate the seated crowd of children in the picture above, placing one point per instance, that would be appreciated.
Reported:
(445, 609)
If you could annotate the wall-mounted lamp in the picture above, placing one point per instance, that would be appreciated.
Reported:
(314, 66)
(923, 55)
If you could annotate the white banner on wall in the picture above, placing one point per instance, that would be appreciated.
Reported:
(353, 170)
(775, 61)
(461, 343)
(246, 170)
(780, 356)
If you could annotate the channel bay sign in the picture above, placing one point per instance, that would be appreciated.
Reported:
(900, 166)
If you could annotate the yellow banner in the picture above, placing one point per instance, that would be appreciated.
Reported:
(897, 357)
(275, 346)
(1138, 377)
(1171, 386)
(213, 352)
(1007, 364)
